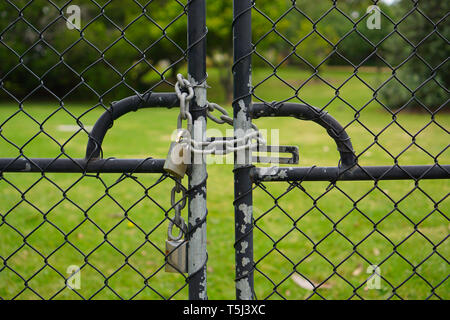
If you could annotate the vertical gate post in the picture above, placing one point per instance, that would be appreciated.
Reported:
(243, 210)
(196, 55)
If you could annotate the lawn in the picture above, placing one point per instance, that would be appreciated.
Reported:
(100, 222)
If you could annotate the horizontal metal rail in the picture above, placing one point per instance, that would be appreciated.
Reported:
(348, 168)
(118, 109)
(93, 161)
(395, 172)
(110, 165)
(304, 112)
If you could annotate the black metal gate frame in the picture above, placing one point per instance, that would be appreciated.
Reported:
(245, 176)
(93, 161)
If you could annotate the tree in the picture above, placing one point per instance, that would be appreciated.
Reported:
(419, 63)
(124, 46)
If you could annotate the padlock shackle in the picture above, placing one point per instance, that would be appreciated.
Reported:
(118, 109)
(182, 227)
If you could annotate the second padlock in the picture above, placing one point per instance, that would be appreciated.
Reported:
(178, 156)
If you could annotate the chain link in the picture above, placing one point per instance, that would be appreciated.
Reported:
(177, 206)
(251, 140)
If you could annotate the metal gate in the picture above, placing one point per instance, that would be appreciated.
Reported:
(298, 245)
(106, 260)
(152, 193)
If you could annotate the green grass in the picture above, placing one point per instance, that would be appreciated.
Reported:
(48, 208)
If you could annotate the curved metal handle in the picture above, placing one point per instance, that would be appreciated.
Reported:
(118, 109)
(304, 112)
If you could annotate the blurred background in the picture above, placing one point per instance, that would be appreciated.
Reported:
(123, 49)
(388, 87)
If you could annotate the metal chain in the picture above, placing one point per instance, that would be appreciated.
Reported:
(178, 219)
(209, 147)
(184, 114)
(184, 98)
(203, 147)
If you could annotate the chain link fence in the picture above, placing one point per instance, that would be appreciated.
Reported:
(319, 235)
(92, 228)
(77, 222)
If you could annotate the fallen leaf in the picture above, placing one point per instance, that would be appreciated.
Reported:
(300, 281)
(116, 215)
(309, 285)
(358, 270)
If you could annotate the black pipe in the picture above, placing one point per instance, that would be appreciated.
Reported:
(243, 198)
(82, 165)
(304, 112)
(118, 109)
(196, 55)
(355, 173)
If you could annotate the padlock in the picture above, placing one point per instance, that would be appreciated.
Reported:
(176, 161)
(176, 247)
(176, 256)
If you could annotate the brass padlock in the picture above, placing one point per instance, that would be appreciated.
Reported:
(176, 252)
(176, 256)
(176, 161)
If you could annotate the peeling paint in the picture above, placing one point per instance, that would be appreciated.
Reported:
(199, 91)
(245, 261)
(27, 167)
(245, 292)
(202, 294)
(241, 117)
(244, 246)
(282, 174)
(197, 204)
(247, 211)
(274, 173)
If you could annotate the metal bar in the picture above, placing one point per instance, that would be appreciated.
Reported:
(118, 109)
(355, 173)
(243, 210)
(293, 150)
(196, 54)
(82, 165)
(310, 113)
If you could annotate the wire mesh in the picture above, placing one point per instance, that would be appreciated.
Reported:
(312, 239)
(111, 227)
(360, 239)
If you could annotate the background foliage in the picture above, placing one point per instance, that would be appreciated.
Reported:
(142, 45)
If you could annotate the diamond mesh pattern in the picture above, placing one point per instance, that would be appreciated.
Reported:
(316, 240)
(50, 221)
